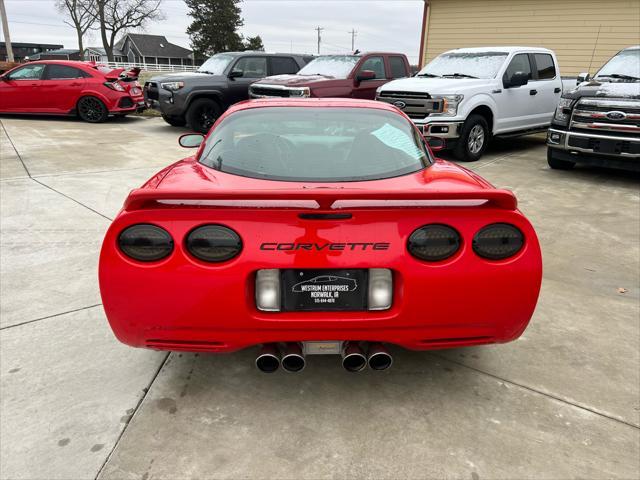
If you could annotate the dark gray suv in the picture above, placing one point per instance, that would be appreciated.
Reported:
(199, 98)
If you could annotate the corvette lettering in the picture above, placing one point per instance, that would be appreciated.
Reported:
(319, 247)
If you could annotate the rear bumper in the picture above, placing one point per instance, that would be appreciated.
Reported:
(181, 303)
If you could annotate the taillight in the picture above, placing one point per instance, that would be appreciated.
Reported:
(213, 243)
(115, 85)
(434, 242)
(498, 241)
(145, 242)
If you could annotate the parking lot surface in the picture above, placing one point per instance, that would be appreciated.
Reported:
(561, 402)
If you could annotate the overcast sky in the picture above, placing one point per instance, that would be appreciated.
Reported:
(282, 24)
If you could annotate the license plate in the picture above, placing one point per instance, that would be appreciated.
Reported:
(324, 290)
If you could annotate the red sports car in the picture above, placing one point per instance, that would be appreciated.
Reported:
(316, 226)
(70, 88)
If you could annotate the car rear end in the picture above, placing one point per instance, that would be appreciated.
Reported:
(122, 90)
(223, 251)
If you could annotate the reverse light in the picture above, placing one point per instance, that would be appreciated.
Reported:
(498, 241)
(115, 85)
(145, 242)
(213, 243)
(268, 290)
(172, 86)
(380, 288)
(563, 110)
(434, 242)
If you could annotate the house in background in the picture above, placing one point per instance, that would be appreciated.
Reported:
(99, 55)
(23, 50)
(142, 48)
(584, 35)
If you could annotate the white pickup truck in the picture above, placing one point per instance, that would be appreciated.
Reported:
(468, 95)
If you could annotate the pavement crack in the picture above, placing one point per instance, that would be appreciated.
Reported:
(44, 184)
(539, 392)
(49, 316)
(135, 411)
(15, 149)
(71, 198)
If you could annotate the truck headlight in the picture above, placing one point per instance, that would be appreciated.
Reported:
(300, 92)
(563, 110)
(450, 104)
(172, 86)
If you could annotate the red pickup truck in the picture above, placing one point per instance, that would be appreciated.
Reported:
(352, 76)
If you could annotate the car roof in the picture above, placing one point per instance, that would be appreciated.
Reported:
(310, 102)
(69, 63)
(633, 47)
(499, 48)
(260, 53)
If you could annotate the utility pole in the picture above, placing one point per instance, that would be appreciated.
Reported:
(319, 30)
(353, 39)
(5, 30)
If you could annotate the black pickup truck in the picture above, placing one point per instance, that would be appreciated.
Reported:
(199, 98)
(598, 122)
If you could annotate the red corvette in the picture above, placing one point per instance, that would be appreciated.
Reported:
(70, 88)
(315, 226)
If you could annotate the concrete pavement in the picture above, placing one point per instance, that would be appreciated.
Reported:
(563, 401)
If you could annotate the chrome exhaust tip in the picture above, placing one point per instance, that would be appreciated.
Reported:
(353, 358)
(268, 359)
(378, 357)
(293, 360)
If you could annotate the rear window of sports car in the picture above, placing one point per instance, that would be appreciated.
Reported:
(315, 145)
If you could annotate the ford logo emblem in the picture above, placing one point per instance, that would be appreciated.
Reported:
(400, 104)
(616, 115)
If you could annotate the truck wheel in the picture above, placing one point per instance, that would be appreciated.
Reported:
(557, 163)
(174, 121)
(473, 139)
(202, 114)
(92, 110)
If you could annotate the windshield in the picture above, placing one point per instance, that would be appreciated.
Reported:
(465, 65)
(625, 65)
(337, 66)
(216, 64)
(315, 145)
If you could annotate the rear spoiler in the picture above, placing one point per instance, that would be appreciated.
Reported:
(326, 198)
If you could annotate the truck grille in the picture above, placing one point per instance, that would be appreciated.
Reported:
(261, 91)
(151, 90)
(417, 105)
(620, 116)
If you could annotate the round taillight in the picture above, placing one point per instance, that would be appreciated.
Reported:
(146, 243)
(434, 242)
(213, 243)
(498, 241)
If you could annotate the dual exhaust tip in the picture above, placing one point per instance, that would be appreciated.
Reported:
(292, 358)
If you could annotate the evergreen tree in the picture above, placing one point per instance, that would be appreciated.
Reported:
(254, 43)
(214, 27)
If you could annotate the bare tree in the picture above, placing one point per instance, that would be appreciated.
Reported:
(5, 30)
(81, 15)
(119, 16)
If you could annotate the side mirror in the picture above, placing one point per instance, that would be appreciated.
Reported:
(365, 75)
(190, 140)
(518, 79)
(3, 78)
(236, 73)
(583, 77)
(436, 144)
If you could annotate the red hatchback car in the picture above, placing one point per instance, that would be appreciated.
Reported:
(70, 88)
(316, 226)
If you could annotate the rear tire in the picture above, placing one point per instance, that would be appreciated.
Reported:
(473, 140)
(92, 110)
(174, 121)
(202, 114)
(556, 163)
